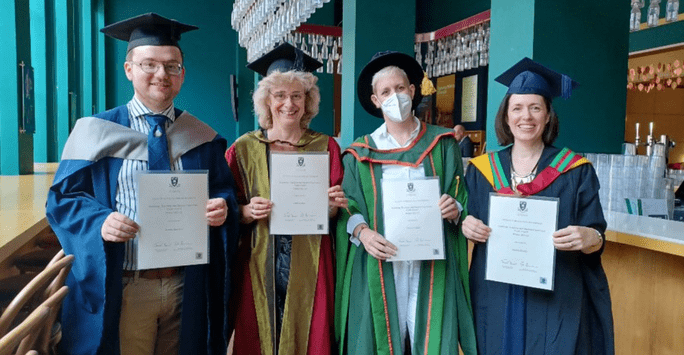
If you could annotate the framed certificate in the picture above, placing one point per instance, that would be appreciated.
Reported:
(412, 218)
(299, 192)
(520, 247)
(172, 208)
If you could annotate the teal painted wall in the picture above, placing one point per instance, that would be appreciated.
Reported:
(99, 70)
(511, 39)
(588, 40)
(16, 149)
(435, 14)
(369, 27)
(23, 22)
(245, 80)
(665, 35)
(86, 31)
(39, 61)
(9, 101)
(585, 39)
(209, 58)
(62, 66)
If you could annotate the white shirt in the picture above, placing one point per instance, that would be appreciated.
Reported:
(384, 140)
(126, 189)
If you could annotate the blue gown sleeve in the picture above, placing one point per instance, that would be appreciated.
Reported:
(76, 209)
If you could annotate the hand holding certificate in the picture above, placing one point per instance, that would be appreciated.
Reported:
(299, 192)
(413, 221)
(172, 218)
(520, 248)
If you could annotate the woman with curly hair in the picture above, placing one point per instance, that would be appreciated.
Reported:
(283, 302)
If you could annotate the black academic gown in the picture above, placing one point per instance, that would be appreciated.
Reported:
(574, 318)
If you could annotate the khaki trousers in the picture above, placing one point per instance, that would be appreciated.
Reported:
(150, 315)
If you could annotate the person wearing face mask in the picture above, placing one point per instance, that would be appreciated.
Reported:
(388, 307)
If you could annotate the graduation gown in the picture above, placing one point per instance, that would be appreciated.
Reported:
(83, 195)
(574, 318)
(365, 300)
(307, 324)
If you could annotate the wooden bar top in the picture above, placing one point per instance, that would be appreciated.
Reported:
(22, 207)
(645, 232)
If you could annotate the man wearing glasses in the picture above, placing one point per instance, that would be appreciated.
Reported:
(113, 306)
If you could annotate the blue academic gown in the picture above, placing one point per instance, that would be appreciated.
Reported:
(81, 198)
(574, 318)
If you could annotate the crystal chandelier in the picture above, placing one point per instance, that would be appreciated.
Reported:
(323, 43)
(261, 24)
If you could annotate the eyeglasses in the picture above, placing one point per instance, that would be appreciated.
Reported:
(281, 96)
(151, 67)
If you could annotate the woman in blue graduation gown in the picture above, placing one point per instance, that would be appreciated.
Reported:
(575, 317)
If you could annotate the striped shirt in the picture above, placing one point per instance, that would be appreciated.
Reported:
(126, 190)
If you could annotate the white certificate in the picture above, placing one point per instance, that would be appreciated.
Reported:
(413, 220)
(520, 248)
(172, 208)
(299, 192)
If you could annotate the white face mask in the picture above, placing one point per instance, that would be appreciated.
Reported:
(397, 107)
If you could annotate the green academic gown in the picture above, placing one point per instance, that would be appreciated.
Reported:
(365, 302)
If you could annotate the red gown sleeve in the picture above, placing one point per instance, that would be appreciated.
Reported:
(336, 171)
(231, 158)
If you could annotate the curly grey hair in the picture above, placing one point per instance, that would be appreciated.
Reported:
(261, 96)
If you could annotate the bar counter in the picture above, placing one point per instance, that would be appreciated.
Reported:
(644, 263)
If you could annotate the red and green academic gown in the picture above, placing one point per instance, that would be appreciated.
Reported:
(307, 325)
(366, 307)
(574, 318)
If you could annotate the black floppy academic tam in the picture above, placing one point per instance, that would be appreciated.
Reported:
(283, 58)
(530, 77)
(364, 87)
(148, 30)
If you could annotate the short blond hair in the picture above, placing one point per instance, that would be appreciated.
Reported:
(261, 97)
(387, 71)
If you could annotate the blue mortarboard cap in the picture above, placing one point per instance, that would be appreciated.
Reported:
(530, 77)
(283, 58)
(148, 30)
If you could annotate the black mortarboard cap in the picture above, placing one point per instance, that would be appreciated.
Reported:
(283, 58)
(380, 60)
(148, 30)
(530, 77)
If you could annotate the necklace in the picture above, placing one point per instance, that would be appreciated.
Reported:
(518, 179)
(531, 170)
(531, 173)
